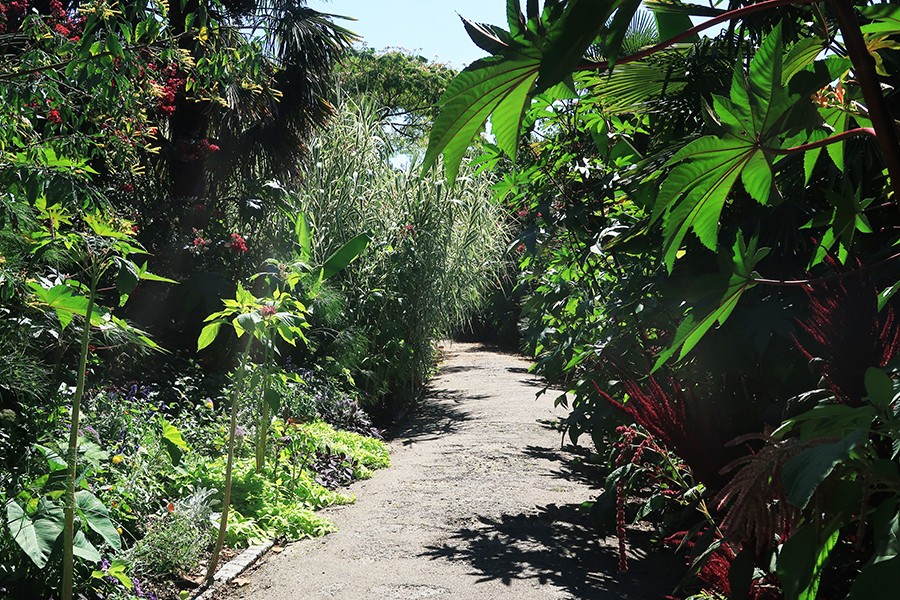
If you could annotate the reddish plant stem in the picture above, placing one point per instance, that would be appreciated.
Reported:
(827, 278)
(864, 68)
(833, 139)
(728, 16)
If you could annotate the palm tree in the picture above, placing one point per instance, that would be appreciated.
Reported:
(257, 137)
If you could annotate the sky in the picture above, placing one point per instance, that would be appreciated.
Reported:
(429, 27)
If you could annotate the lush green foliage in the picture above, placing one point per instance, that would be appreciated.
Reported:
(707, 253)
(433, 251)
(192, 120)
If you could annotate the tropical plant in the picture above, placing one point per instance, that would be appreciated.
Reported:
(106, 246)
(653, 195)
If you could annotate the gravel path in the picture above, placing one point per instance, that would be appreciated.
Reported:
(480, 503)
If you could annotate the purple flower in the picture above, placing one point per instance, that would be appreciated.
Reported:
(137, 588)
(92, 431)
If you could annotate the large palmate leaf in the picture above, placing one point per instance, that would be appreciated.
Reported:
(490, 85)
(693, 328)
(694, 193)
(536, 55)
(755, 125)
(885, 19)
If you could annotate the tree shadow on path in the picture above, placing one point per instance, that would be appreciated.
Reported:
(574, 464)
(556, 545)
(438, 416)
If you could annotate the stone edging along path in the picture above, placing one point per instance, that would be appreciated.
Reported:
(479, 503)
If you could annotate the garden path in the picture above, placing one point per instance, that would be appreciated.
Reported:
(480, 503)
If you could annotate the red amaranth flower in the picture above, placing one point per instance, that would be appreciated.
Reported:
(54, 117)
(62, 30)
(268, 311)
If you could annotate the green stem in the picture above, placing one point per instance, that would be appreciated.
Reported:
(262, 429)
(68, 575)
(229, 465)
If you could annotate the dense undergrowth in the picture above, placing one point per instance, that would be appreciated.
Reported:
(211, 276)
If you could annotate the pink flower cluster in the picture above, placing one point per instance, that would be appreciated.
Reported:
(237, 243)
(64, 25)
(174, 84)
(10, 14)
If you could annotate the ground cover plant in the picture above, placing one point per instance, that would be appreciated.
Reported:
(154, 194)
(707, 258)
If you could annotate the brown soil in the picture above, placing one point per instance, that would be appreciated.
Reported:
(480, 503)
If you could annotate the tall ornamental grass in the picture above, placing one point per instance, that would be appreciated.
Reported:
(434, 251)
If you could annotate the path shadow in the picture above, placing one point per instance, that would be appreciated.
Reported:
(459, 369)
(555, 545)
(437, 415)
(573, 464)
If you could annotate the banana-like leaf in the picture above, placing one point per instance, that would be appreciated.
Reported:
(345, 255)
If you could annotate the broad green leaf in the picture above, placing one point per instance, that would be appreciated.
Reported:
(691, 331)
(304, 237)
(800, 561)
(173, 435)
(476, 92)
(345, 255)
(765, 81)
(757, 177)
(246, 322)
(506, 120)
(745, 256)
(670, 23)
(693, 195)
(886, 528)
(490, 38)
(879, 386)
(96, 516)
(800, 56)
(35, 537)
(208, 335)
(146, 275)
(572, 34)
(812, 591)
(803, 473)
(62, 300)
(885, 19)
(118, 570)
(876, 579)
(84, 549)
(839, 119)
(127, 278)
(885, 296)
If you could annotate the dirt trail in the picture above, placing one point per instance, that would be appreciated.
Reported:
(480, 503)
